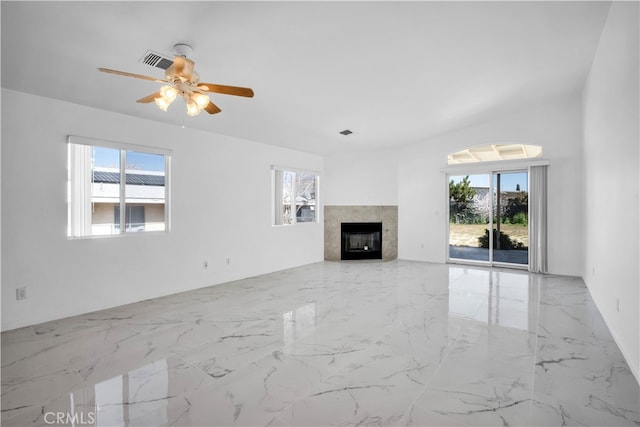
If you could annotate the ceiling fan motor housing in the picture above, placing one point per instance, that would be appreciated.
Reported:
(182, 49)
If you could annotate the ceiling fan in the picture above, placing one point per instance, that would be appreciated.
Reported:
(181, 79)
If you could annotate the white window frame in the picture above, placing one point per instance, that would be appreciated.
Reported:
(79, 217)
(276, 186)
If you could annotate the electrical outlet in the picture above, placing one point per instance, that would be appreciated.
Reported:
(205, 264)
(618, 305)
(228, 261)
(21, 293)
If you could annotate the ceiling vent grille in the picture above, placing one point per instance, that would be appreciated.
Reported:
(157, 60)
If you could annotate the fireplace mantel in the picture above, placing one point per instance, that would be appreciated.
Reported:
(334, 216)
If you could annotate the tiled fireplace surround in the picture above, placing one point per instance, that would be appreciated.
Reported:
(334, 216)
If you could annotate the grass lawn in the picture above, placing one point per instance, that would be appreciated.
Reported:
(467, 234)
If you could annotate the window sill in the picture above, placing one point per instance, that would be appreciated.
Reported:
(118, 236)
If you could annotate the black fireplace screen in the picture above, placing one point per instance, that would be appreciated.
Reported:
(361, 240)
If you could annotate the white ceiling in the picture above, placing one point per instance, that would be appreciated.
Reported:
(394, 73)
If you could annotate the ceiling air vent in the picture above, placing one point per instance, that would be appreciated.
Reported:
(346, 132)
(157, 60)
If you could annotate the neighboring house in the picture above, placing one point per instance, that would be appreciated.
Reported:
(145, 201)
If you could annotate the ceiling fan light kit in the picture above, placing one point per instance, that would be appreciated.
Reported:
(182, 80)
(167, 96)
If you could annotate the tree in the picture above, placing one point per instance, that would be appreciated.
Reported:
(517, 205)
(460, 195)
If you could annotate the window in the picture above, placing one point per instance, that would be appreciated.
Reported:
(495, 152)
(295, 196)
(106, 178)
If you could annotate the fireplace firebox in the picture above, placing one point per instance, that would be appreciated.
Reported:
(361, 240)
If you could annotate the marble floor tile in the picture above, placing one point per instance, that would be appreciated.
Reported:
(333, 343)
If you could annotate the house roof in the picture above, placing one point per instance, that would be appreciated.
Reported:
(393, 73)
(131, 178)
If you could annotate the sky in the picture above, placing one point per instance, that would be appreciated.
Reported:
(508, 180)
(110, 158)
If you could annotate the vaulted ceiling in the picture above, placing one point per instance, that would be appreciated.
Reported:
(394, 73)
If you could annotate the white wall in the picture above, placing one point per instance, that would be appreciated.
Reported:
(362, 179)
(221, 207)
(611, 164)
(555, 125)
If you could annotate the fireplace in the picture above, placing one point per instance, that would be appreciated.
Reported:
(335, 216)
(361, 240)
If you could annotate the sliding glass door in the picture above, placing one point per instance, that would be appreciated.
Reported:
(469, 216)
(510, 217)
(488, 218)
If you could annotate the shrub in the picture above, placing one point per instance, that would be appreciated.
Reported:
(505, 241)
(520, 218)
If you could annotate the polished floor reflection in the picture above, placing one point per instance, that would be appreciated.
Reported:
(332, 343)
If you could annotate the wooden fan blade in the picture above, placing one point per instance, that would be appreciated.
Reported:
(227, 90)
(212, 108)
(149, 98)
(137, 76)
